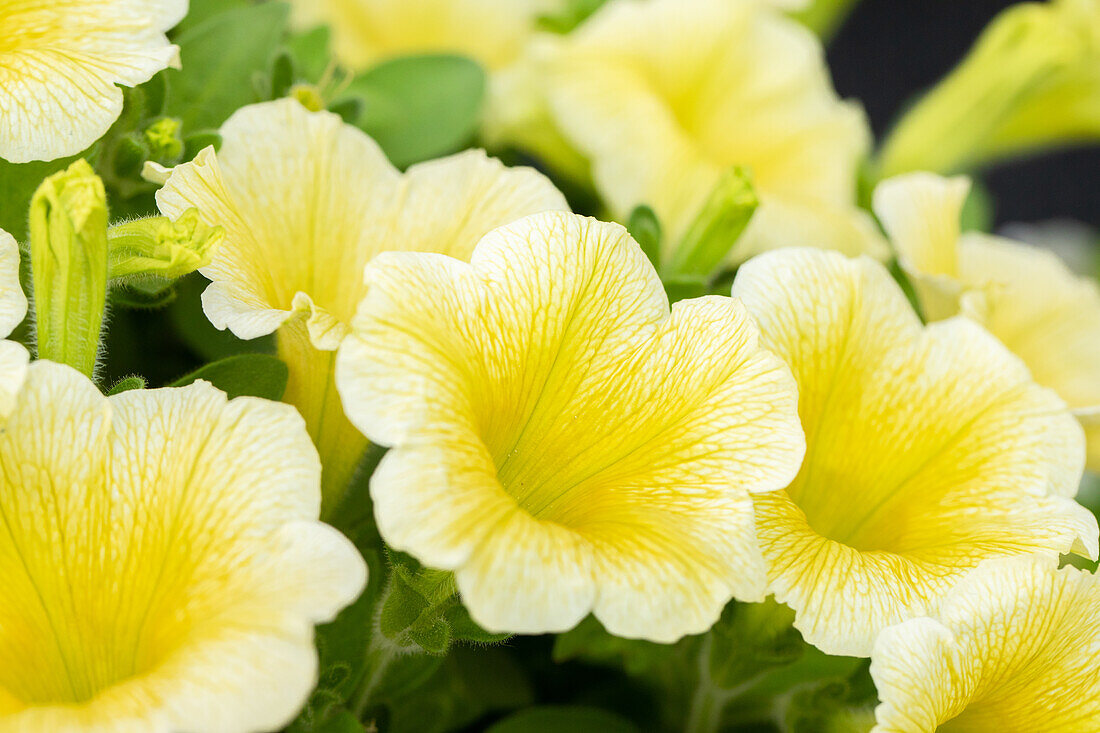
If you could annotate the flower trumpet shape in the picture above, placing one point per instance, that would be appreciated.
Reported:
(305, 202)
(1025, 296)
(1012, 650)
(61, 62)
(367, 31)
(561, 441)
(13, 306)
(1032, 81)
(662, 97)
(161, 560)
(929, 449)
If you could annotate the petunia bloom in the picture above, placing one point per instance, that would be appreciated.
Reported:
(305, 202)
(1026, 296)
(61, 62)
(1012, 650)
(492, 32)
(561, 440)
(13, 306)
(929, 449)
(1031, 81)
(161, 560)
(662, 97)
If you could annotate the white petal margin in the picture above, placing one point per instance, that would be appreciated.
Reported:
(307, 200)
(61, 64)
(560, 439)
(13, 307)
(162, 561)
(1013, 649)
(13, 303)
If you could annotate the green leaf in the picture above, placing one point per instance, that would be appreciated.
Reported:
(202, 10)
(127, 384)
(342, 722)
(421, 107)
(220, 57)
(256, 375)
(569, 14)
(17, 184)
(563, 719)
(146, 294)
(644, 226)
(312, 52)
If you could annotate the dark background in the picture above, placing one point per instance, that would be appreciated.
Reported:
(888, 51)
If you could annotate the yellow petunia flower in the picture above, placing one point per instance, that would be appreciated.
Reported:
(1026, 296)
(306, 201)
(61, 62)
(365, 32)
(561, 441)
(161, 560)
(1031, 81)
(1012, 650)
(929, 449)
(662, 97)
(13, 306)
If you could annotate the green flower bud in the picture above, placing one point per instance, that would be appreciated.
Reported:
(716, 229)
(308, 96)
(164, 140)
(68, 233)
(159, 247)
(1032, 81)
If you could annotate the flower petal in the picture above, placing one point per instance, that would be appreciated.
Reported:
(13, 304)
(61, 64)
(1013, 649)
(1045, 314)
(555, 425)
(306, 201)
(203, 512)
(663, 96)
(928, 450)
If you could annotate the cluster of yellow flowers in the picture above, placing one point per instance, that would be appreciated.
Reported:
(560, 438)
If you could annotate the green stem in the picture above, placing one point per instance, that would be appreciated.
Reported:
(709, 701)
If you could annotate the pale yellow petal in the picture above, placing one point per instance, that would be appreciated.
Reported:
(302, 197)
(368, 31)
(662, 96)
(1013, 650)
(928, 450)
(921, 214)
(306, 201)
(1044, 313)
(164, 563)
(13, 370)
(554, 424)
(60, 64)
(13, 304)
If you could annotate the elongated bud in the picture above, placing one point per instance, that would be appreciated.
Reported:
(68, 229)
(1032, 81)
(716, 229)
(159, 247)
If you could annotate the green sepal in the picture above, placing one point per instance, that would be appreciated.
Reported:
(127, 384)
(68, 233)
(716, 229)
(255, 375)
(195, 142)
(645, 228)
